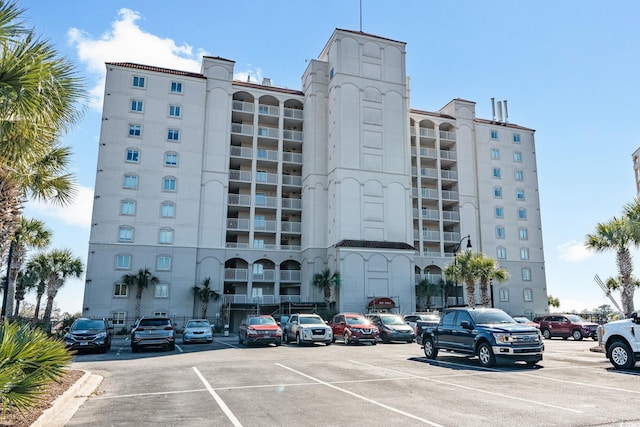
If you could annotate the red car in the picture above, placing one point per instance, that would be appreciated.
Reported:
(354, 328)
(259, 329)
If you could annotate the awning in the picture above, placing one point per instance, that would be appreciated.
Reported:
(382, 302)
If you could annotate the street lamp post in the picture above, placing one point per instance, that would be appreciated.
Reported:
(455, 262)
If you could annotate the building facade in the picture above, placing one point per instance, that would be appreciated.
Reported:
(259, 187)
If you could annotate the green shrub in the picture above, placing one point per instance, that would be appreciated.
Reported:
(29, 360)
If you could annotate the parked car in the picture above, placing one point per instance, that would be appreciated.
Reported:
(392, 327)
(307, 328)
(197, 330)
(489, 333)
(567, 325)
(153, 332)
(353, 328)
(526, 321)
(619, 341)
(426, 319)
(89, 334)
(259, 329)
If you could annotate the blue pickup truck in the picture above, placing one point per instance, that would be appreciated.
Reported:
(489, 333)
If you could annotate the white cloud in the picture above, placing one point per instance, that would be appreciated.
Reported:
(127, 42)
(78, 213)
(573, 251)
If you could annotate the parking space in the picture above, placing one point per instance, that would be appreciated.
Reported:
(388, 384)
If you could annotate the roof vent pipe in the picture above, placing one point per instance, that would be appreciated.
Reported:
(493, 109)
(499, 111)
(506, 112)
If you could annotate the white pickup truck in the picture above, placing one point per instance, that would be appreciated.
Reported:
(620, 340)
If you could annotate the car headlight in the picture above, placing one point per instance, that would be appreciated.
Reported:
(503, 338)
(101, 335)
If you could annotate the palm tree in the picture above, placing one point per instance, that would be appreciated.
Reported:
(553, 302)
(463, 270)
(31, 234)
(60, 264)
(424, 291)
(39, 264)
(326, 281)
(205, 294)
(487, 270)
(25, 280)
(140, 280)
(617, 235)
(40, 99)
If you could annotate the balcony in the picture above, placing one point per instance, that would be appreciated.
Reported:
(236, 245)
(293, 135)
(448, 155)
(288, 157)
(268, 110)
(450, 195)
(293, 113)
(264, 154)
(266, 202)
(268, 226)
(242, 152)
(266, 178)
(290, 298)
(268, 132)
(295, 204)
(238, 224)
(291, 227)
(449, 175)
(241, 129)
(236, 274)
(292, 180)
(240, 175)
(430, 214)
(239, 200)
(451, 216)
(425, 193)
(449, 136)
(264, 276)
(290, 276)
(242, 106)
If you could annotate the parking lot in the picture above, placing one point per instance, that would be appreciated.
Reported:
(221, 384)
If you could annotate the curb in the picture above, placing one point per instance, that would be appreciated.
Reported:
(68, 403)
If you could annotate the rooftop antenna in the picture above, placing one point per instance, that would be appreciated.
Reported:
(360, 15)
(493, 109)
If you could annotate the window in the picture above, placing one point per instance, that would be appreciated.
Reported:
(331, 74)
(136, 105)
(516, 137)
(176, 87)
(125, 234)
(261, 176)
(517, 156)
(119, 317)
(526, 274)
(260, 221)
(160, 313)
(518, 175)
(499, 212)
(524, 253)
(166, 236)
(138, 81)
(174, 110)
(499, 232)
(495, 154)
(258, 269)
(528, 295)
(504, 295)
(169, 183)
(163, 262)
(123, 262)
(520, 195)
(120, 290)
(173, 134)
(501, 253)
(494, 134)
(263, 109)
(262, 153)
(258, 244)
(497, 192)
(522, 214)
(171, 159)
(132, 155)
(524, 234)
(168, 210)
(496, 173)
(161, 290)
(127, 207)
(135, 130)
(130, 181)
(261, 199)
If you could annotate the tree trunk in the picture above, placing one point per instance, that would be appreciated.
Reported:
(471, 293)
(138, 303)
(485, 299)
(205, 306)
(46, 318)
(36, 313)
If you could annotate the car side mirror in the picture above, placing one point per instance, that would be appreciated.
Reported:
(635, 317)
(465, 325)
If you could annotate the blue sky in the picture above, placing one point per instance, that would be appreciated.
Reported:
(567, 68)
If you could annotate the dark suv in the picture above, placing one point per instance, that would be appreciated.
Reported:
(567, 325)
(153, 332)
(89, 334)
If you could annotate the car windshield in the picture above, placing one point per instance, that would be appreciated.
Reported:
(488, 317)
(357, 320)
(154, 322)
(198, 324)
(261, 321)
(308, 320)
(576, 319)
(392, 320)
(429, 317)
(88, 324)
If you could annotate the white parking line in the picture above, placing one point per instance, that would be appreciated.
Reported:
(477, 390)
(179, 348)
(218, 400)
(366, 399)
(228, 345)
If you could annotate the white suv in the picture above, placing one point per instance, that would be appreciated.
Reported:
(307, 328)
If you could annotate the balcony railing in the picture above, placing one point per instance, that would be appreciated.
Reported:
(268, 132)
(269, 226)
(291, 203)
(449, 195)
(446, 174)
(451, 215)
(431, 214)
(448, 155)
(290, 298)
(264, 276)
(451, 237)
(242, 129)
(292, 180)
(291, 227)
(263, 154)
(269, 110)
(239, 200)
(292, 157)
(290, 275)
(238, 175)
(294, 135)
(243, 152)
(293, 113)
(266, 202)
(236, 245)
(237, 224)
(242, 106)
(450, 136)
(238, 274)
(266, 177)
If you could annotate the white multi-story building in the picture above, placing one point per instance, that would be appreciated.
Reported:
(258, 188)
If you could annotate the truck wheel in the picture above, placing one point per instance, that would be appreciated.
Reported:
(621, 356)
(486, 356)
(546, 334)
(577, 335)
(430, 350)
